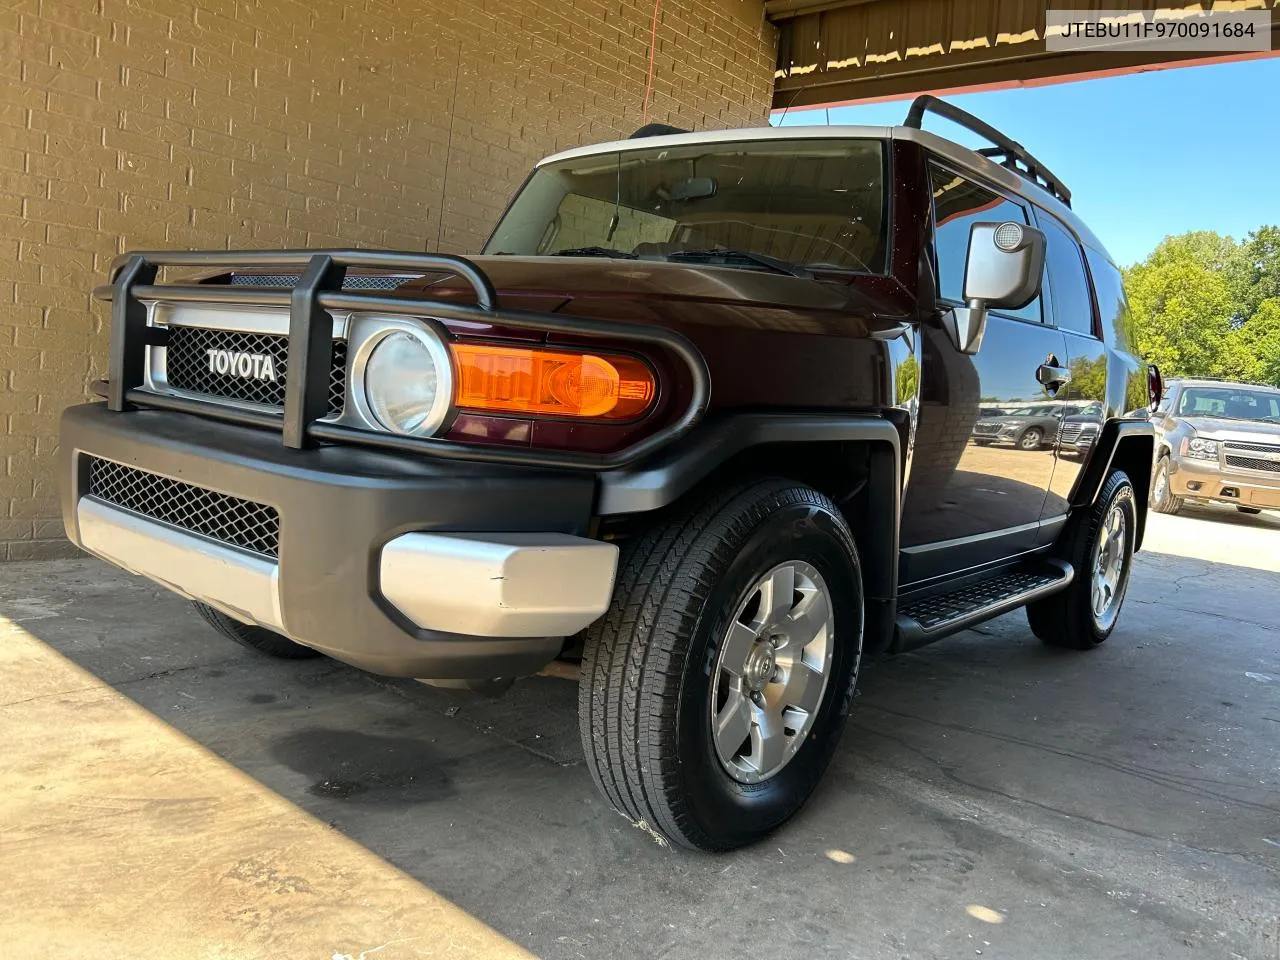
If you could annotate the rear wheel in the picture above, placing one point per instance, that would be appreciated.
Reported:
(259, 638)
(1162, 496)
(715, 689)
(1098, 543)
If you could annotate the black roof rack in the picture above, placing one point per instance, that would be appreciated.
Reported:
(1005, 151)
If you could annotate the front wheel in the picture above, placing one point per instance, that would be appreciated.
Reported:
(257, 638)
(1031, 439)
(715, 689)
(1163, 499)
(1098, 543)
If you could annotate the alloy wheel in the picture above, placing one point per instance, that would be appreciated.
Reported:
(772, 671)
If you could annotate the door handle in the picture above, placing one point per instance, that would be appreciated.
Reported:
(1048, 375)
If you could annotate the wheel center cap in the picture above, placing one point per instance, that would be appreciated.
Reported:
(759, 667)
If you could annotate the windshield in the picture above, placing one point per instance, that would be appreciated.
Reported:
(1032, 412)
(1234, 404)
(810, 203)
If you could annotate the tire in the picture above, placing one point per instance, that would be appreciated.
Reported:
(259, 638)
(651, 669)
(1251, 511)
(1031, 439)
(1163, 499)
(1068, 618)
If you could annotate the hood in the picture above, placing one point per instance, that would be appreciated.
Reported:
(1224, 428)
(637, 289)
(647, 291)
(1018, 418)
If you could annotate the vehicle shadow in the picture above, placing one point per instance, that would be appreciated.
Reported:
(488, 802)
(1223, 513)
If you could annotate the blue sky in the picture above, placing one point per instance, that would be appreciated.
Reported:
(1145, 155)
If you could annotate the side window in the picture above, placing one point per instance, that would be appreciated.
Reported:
(1068, 285)
(957, 205)
(1112, 305)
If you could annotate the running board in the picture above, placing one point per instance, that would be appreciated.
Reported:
(931, 618)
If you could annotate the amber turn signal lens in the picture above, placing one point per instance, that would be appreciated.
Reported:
(550, 383)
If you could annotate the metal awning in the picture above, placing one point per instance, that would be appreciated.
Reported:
(837, 51)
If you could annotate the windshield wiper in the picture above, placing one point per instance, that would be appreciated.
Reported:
(596, 252)
(729, 255)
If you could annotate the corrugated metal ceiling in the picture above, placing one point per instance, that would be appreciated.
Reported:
(832, 51)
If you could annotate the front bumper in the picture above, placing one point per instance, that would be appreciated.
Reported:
(1080, 447)
(400, 566)
(1208, 480)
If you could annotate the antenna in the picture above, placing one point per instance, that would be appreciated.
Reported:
(794, 97)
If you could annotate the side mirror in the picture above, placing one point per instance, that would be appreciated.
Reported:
(1003, 269)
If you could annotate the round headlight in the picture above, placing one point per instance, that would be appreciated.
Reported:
(405, 382)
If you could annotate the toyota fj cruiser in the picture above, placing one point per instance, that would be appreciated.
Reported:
(701, 416)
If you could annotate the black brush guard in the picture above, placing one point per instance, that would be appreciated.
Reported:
(319, 290)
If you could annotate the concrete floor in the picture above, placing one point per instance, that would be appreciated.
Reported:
(165, 794)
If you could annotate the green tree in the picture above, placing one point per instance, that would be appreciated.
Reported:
(1204, 247)
(1253, 272)
(1252, 352)
(908, 379)
(1179, 315)
(1203, 305)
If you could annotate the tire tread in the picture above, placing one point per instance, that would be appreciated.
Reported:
(1061, 620)
(634, 657)
(256, 638)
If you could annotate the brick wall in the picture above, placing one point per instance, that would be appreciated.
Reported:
(129, 124)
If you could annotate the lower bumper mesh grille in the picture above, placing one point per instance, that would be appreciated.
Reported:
(188, 366)
(1252, 463)
(230, 520)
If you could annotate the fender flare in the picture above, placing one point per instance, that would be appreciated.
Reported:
(1130, 444)
(662, 479)
(1113, 434)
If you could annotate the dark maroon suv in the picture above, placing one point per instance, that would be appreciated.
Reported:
(699, 418)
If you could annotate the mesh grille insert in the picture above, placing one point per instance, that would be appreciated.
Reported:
(359, 281)
(1255, 447)
(240, 523)
(1253, 463)
(187, 366)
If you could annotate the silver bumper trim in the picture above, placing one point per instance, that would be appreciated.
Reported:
(476, 584)
(499, 584)
(240, 585)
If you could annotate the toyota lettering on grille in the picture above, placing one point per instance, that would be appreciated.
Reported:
(247, 366)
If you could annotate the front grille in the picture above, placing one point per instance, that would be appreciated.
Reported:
(986, 427)
(1252, 447)
(230, 520)
(1070, 432)
(187, 366)
(1253, 463)
(359, 281)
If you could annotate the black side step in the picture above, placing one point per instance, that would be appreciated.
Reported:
(933, 617)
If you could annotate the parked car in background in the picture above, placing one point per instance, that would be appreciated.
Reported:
(1027, 428)
(1079, 430)
(1217, 441)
